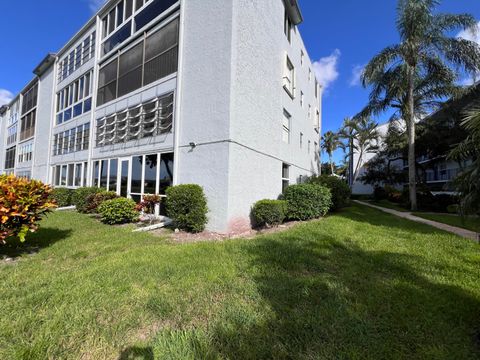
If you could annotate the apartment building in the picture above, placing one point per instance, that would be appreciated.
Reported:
(152, 93)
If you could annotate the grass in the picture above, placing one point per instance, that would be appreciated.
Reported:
(360, 284)
(389, 205)
(469, 223)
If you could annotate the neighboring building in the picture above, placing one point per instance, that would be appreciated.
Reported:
(151, 93)
(433, 166)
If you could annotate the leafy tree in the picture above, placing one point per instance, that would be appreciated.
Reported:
(422, 60)
(330, 143)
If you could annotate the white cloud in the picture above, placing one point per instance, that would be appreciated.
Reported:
(94, 5)
(326, 69)
(471, 34)
(357, 72)
(5, 97)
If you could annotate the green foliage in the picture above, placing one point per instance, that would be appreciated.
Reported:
(340, 190)
(453, 209)
(80, 197)
(23, 202)
(62, 196)
(186, 205)
(307, 201)
(95, 200)
(269, 212)
(149, 203)
(118, 211)
(379, 193)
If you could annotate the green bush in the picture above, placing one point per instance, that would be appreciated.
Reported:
(307, 201)
(118, 211)
(94, 200)
(269, 212)
(62, 196)
(186, 205)
(453, 209)
(80, 197)
(340, 190)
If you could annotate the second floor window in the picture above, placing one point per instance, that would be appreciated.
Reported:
(75, 99)
(25, 153)
(289, 78)
(12, 134)
(286, 127)
(27, 125)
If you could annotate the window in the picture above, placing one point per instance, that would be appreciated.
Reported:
(309, 74)
(287, 27)
(302, 98)
(26, 174)
(29, 99)
(317, 120)
(71, 175)
(285, 176)
(301, 140)
(317, 88)
(309, 111)
(286, 127)
(152, 118)
(74, 100)
(133, 69)
(25, 153)
(289, 79)
(27, 125)
(12, 134)
(69, 141)
(309, 146)
(77, 57)
(302, 57)
(10, 158)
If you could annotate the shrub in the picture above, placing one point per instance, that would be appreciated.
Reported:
(62, 196)
(453, 209)
(22, 204)
(118, 211)
(95, 200)
(340, 190)
(307, 201)
(148, 204)
(393, 194)
(269, 212)
(80, 197)
(186, 205)
(379, 193)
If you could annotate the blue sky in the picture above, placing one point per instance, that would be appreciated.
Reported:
(341, 36)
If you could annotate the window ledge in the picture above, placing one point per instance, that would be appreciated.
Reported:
(288, 92)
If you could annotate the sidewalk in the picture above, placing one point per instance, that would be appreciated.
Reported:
(406, 215)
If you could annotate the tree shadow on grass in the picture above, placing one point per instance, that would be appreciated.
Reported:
(34, 242)
(335, 300)
(137, 353)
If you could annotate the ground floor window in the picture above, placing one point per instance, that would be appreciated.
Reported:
(10, 158)
(70, 175)
(285, 176)
(27, 174)
(135, 176)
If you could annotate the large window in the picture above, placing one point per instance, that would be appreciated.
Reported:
(285, 176)
(135, 176)
(75, 99)
(71, 175)
(152, 118)
(29, 100)
(29, 103)
(12, 134)
(132, 69)
(27, 127)
(10, 158)
(77, 57)
(288, 26)
(128, 17)
(25, 153)
(72, 140)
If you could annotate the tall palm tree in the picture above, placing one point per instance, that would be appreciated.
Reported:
(468, 181)
(348, 133)
(425, 48)
(330, 143)
(365, 141)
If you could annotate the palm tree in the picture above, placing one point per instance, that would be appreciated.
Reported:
(425, 48)
(348, 133)
(468, 181)
(330, 143)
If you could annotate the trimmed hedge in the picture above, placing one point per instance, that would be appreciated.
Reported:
(307, 201)
(95, 200)
(62, 196)
(340, 190)
(186, 205)
(118, 211)
(80, 197)
(269, 212)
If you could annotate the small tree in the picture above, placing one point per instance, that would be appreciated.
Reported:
(331, 142)
(23, 203)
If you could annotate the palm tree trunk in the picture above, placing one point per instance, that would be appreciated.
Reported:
(331, 163)
(412, 178)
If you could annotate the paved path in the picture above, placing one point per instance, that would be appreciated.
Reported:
(406, 215)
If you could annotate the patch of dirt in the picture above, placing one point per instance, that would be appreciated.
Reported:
(181, 237)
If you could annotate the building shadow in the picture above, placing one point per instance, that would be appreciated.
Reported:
(34, 242)
(137, 353)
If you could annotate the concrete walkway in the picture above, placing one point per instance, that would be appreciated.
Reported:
(406, 215)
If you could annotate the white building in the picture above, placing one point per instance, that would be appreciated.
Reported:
(151, 93)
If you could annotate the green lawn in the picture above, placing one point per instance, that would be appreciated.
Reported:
(357, 285)
(469, 223)
(389, 205)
